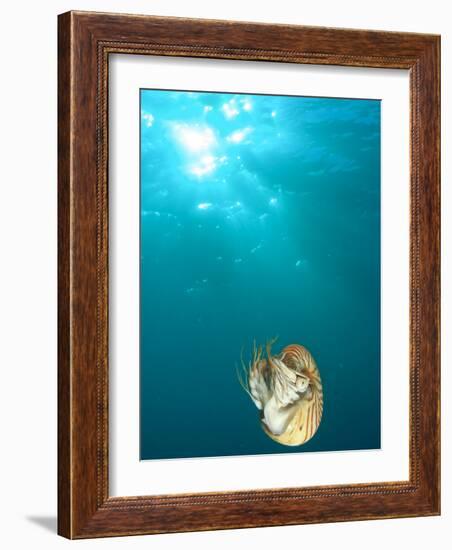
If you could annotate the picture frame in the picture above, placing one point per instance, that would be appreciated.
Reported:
(85, 43)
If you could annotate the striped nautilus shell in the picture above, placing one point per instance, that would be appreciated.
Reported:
(287, 390)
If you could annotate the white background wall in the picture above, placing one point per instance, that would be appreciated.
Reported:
(28, 269)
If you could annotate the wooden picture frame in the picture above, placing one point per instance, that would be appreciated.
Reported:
(85, 42)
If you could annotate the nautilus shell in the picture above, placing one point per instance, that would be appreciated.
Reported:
(287, 390)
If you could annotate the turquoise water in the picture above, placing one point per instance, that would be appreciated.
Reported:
(260, 217)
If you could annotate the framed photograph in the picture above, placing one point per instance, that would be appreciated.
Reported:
(248, 275)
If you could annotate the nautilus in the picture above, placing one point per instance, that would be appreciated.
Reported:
(287, 390)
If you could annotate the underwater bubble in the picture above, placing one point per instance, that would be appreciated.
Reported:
(148, 119)
(230, 109)
(206, 165)
(204, 205)
(238, 136)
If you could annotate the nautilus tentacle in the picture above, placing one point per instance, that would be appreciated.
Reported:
(287, 390)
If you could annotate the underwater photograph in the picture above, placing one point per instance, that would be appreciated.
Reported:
(259, 274)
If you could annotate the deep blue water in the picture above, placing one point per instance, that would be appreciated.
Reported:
(260, 217)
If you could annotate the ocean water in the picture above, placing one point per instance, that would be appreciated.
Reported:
(260, 217)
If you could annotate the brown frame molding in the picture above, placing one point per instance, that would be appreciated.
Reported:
(85, 41)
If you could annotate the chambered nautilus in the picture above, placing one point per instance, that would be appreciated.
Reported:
(287, 390)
